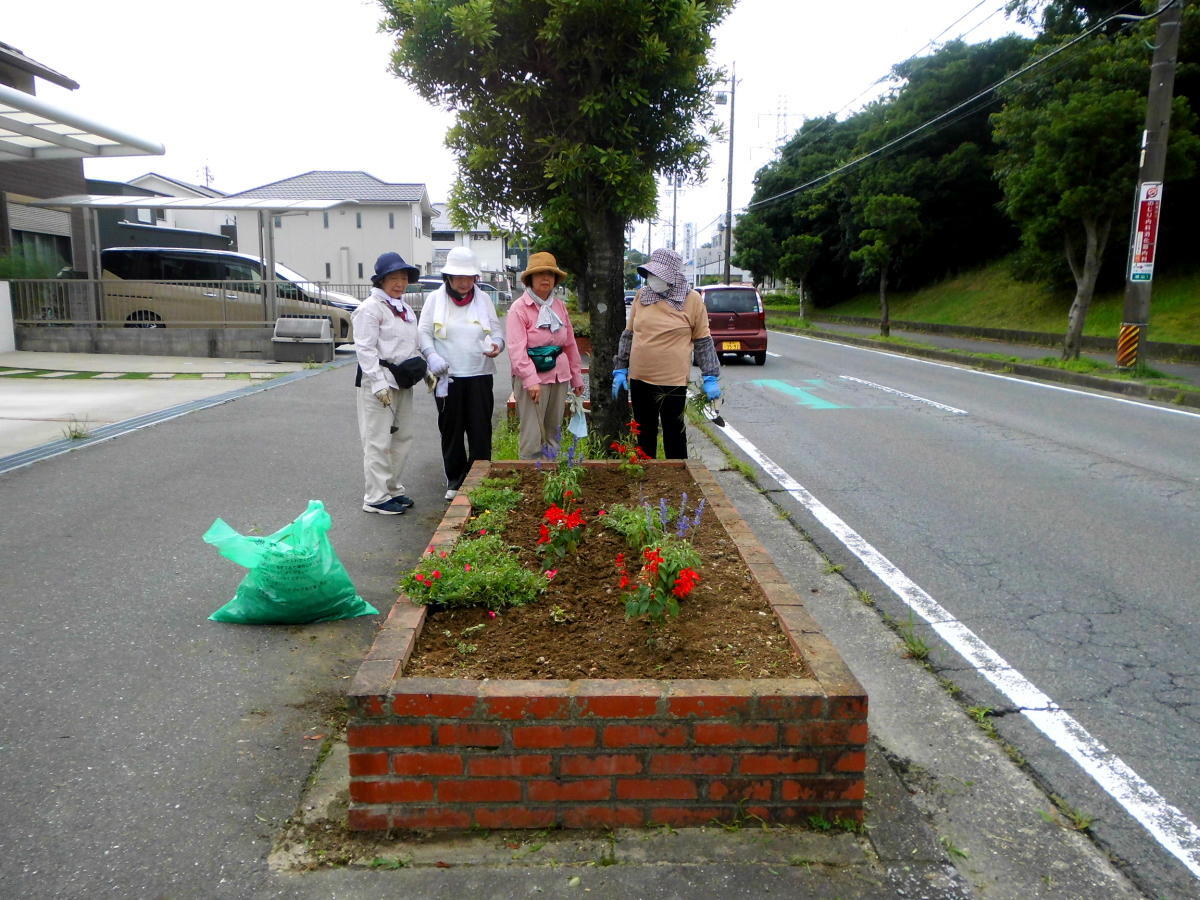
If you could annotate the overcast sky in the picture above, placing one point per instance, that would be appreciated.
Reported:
(260, 90)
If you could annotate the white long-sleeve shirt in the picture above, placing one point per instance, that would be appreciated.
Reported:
(457, 340)
(381, 334)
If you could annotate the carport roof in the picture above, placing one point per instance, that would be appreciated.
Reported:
(106, 201)
(32, 129)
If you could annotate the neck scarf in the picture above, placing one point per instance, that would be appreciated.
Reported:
(403, 309)
(675, 294)
(440, 301)
(547, 317)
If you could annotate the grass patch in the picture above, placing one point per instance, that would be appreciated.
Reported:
(989, 297)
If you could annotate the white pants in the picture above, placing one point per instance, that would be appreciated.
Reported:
(387, 433)
(541, 422)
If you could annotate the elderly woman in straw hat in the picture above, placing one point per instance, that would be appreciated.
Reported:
(544, 356)
(667, 327)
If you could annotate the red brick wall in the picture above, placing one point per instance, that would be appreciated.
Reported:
(436, 753)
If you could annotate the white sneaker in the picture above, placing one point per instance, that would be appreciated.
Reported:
(451, 494)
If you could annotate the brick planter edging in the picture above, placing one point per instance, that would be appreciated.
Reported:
(446, 753)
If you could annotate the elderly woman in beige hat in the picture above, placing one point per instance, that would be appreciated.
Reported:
(544, 357)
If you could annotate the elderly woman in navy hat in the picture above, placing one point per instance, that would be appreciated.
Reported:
(389, 364)
(544, 356)
(667, 327)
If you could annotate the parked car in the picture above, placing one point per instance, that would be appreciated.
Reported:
(736, 320)
(153, 287)
(499, 297)
(629, 295)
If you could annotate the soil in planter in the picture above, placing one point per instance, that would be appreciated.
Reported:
(578, 629)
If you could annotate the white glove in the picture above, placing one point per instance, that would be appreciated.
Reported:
(437, 365)
(384, 397)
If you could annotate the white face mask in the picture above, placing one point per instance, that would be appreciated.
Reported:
(657, 285)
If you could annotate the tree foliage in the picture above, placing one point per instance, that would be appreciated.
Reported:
(1069, 159)
(566, 110)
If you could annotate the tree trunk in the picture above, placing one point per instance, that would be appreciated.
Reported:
(885, 323)
(1086, 273)
(803, 302)
(601, 288)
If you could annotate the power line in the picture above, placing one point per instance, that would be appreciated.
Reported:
(854, 163)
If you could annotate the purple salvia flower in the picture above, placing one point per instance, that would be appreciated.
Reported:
(662, 512)
(699, 513)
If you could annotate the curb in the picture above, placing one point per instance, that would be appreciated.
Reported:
(1172, 396)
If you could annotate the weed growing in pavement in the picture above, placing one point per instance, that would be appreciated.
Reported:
(982, 717)
(950, 847)
(914, 646)
(76, 429)
(865, 598)
(833, 568)
(382, 862)
(1075, 820)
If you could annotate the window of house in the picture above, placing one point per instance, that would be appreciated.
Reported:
(325, 219)
(358, 220)
(279, 221)
(391, 220)
(443, 235)
(360, 274)
(328, 271)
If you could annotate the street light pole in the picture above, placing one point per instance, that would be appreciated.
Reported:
(729, 176)
(1148, 201)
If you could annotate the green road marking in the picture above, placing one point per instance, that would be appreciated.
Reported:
(803, 397)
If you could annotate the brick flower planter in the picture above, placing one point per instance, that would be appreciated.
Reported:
(446, 753)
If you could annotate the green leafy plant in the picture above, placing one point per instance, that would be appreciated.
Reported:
(495, 497)
(632, 456)
(560, 532)
(644, 525)
(667, 575)
(483, 571)
(562, 479)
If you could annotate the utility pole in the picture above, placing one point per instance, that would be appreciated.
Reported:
(729, 176)
(1148, 198)
(674, 206)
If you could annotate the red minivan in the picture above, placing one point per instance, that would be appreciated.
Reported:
(736, 320)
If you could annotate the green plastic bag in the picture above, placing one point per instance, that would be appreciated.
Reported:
(295, 576)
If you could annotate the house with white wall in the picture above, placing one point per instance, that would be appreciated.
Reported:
(340, 246)
(208, 220)
(490, 249)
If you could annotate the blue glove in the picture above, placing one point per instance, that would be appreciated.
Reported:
(711, 389)
(620, 381)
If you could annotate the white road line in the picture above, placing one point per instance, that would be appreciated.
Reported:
(951, 409)
(965, 367)
(1170, 827)
(776, 355)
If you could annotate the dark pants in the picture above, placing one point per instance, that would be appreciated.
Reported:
(655, 403)
(465, 421)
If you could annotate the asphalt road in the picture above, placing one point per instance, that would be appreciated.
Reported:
(1058, 526)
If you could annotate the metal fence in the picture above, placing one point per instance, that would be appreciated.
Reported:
(114, 302)
(151, 304)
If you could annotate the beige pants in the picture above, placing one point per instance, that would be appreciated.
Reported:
(387, 435)
(541, 422)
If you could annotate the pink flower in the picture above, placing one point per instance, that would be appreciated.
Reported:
(467, 567)
(491, 614)
(550, 573)
(482, 531)
(436, 573)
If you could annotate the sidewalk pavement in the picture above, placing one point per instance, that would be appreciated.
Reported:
(150, 752)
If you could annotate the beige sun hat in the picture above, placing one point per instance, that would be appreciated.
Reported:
(542, 262)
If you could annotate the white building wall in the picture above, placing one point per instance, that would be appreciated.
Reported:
(341, 245)
(195, 219)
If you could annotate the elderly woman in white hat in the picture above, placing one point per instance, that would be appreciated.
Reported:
(544, 357)
(459, 334)
(667, 327)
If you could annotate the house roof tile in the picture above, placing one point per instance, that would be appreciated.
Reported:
(332, 185)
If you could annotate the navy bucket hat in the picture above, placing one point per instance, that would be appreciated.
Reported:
(393, 262)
